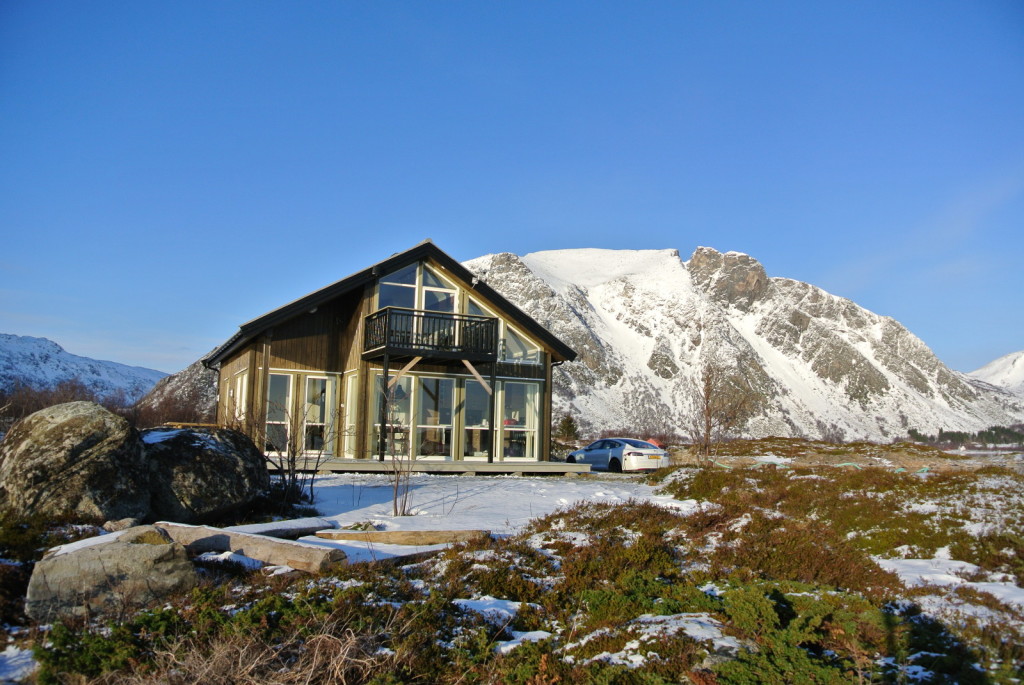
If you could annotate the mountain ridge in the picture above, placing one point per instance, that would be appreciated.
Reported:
(642, 321)
(42, 363)
(1005, 372)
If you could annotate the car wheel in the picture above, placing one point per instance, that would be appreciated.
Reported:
(615, 466)
(570, 459)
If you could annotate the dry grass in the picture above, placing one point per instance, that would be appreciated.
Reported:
(334, 654)
(780, 557)
(802, 452)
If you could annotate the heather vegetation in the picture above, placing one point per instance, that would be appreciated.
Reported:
(756, 575)
(20, 400)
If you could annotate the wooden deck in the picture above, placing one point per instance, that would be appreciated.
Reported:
(452, 467)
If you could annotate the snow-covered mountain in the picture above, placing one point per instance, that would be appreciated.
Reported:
(642, 321)
(1005, 372)
(42, 363)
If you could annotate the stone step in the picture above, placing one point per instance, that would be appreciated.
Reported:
(405, 537)
(303, 556)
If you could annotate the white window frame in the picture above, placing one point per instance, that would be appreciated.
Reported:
(530, 429)
(237, 394)
(349, 418)
(328, 423)
(417, 385)
(290, 397)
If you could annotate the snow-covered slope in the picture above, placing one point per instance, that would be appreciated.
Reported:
(1005, 372)
(42, 363)
(642, 321)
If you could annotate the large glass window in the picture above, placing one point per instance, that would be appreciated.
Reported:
(412, 288)
(476, 310)
(515, 348)
(512, 347)
(476, 405)
(279, 391)
(434, 417)
(519, 424)
(398, 411)
(438, 301)
(318, 422)
(398, 289)
(438, 295)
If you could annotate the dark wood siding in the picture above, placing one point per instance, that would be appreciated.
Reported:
(317, 341)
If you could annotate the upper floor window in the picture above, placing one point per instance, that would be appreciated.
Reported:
(416, 287)
(515, 348)
(512, 347)
(398, 289)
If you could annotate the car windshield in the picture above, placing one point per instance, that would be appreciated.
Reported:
(639, 443)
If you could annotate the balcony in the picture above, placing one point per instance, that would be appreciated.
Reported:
(432, 335)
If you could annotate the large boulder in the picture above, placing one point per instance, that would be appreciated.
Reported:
(202, 474)
(109, 576)
(74, 458)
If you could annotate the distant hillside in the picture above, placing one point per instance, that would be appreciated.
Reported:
(189, 395)
(1005, 372)
(40, 363)
(642, 322)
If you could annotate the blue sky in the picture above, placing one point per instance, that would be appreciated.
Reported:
(171, 170)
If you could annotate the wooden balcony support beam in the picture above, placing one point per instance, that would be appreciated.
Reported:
(478, 377)
(405, 369)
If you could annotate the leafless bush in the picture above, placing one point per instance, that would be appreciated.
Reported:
(332, 654)
(291, 458)
(722, 400)
(22, 400)
(162, 406)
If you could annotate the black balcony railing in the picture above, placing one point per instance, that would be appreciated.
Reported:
(425, 333)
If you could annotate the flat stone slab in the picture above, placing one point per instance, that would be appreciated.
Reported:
(303, 556)
(290, 529)
(405, 537)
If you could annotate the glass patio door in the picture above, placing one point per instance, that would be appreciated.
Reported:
(434, 417)
(476, 432)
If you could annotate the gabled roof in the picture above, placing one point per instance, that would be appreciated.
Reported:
(425, 250)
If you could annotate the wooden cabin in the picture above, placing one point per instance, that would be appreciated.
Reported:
(468, 373)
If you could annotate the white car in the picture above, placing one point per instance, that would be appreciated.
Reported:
(620, 454)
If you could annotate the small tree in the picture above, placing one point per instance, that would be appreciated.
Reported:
(722, 401)
(566, 431)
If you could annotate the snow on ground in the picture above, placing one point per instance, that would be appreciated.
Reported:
(499, 504)
(15, 664)
(504, 505)
(945, 572)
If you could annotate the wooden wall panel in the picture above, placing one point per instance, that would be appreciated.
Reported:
(316, 341)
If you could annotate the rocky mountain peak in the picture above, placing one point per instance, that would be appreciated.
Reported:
(732, 279)
(642, 321)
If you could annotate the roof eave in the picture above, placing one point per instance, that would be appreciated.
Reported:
(426, 249)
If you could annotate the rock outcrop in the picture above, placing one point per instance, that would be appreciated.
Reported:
(75, 457)
(201, 474)
(80, 458)
(115, 575)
